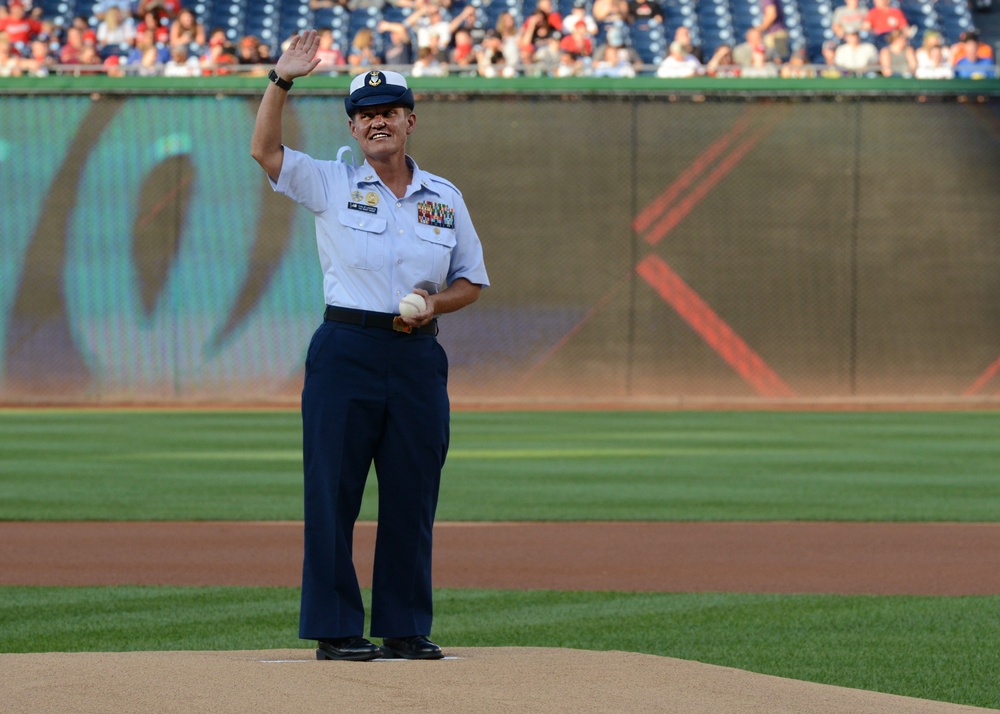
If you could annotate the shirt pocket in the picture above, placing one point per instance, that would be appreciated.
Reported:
(368, 234)
(435, 247)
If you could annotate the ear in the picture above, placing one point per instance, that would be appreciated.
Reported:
(411, 122)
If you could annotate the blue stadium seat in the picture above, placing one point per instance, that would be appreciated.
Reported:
(492, 9)
(114, 51)
(922, 14)
(363, 17)
(676, 14)
(794, 23)
(338, 20)
(200, 10)
(745, 14)
(817, 16)
(955, 18)
(716, 26)
(261, 19)
(563, 7)
(230, 15)
(59, 11)
(391, 13)
(294, 17)
(650, 42)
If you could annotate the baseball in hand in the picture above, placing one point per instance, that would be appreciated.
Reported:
(412, 304)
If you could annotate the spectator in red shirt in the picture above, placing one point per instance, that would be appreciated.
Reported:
(330, 56)
(69, 53)
(463, 54)
(20, 28)
(883, 19)
(578, 40)
(544, 7)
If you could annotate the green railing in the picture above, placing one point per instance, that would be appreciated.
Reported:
(702, 86)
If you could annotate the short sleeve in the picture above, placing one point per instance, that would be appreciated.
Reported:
(306, 180)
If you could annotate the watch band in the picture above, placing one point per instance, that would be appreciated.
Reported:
(283, 83)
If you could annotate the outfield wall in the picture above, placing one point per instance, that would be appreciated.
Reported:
(658, 245)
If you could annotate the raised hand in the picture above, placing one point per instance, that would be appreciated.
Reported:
(300, 57)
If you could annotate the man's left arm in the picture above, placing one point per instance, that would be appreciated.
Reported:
(466, 274)
(457, 295)
(770, 15)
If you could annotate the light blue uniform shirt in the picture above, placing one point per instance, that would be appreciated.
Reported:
(374, 248)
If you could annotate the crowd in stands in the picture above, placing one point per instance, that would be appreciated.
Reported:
(441, 37)
(148, 37)
(875, 41)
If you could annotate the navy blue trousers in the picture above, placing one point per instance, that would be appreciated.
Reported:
(371, 395)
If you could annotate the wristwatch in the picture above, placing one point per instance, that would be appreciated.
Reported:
(283, 83)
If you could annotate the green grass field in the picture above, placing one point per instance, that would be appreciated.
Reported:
(137, 465)
(168, 465)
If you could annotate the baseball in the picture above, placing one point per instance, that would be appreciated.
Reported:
(411, 304)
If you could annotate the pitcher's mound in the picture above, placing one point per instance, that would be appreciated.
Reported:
(505, 679)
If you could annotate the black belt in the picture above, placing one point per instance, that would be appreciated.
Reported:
(382, 320)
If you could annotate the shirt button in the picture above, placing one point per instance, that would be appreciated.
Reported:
(399, 205)
(401, 233)
(361, 223)
(399, 262)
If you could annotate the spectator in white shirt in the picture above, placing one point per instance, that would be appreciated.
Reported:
(855, 55)
(678, 63)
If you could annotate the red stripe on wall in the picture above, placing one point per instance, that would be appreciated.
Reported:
(679, 212)
(662, 202)
(982, 380)
(712, 328)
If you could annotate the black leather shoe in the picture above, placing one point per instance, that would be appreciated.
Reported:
(352, 649)
(418, 647)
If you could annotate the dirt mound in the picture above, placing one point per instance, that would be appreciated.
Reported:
(471, 680)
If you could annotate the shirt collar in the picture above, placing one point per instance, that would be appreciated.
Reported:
(421, 179)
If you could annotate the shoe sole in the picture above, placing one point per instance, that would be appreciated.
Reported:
(361, 657)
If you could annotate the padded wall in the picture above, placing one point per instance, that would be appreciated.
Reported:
(638, 248)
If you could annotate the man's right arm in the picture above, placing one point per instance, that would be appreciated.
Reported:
(265, 146)
(297, 61)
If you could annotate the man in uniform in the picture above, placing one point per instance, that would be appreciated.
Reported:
(375, 383)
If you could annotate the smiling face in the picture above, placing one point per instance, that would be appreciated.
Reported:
(381, 130)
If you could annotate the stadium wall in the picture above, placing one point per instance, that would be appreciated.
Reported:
(677, 243)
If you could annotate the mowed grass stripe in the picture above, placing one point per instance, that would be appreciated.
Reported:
(453, 454)
(245, 465)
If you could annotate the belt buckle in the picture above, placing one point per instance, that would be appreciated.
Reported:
(399, 326)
